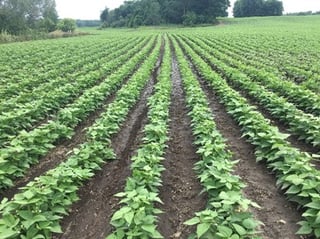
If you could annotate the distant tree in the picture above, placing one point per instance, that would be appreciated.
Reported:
(272, 8)
(88, 23)
(104, 15)
(67, 25)
(150, 12)
(249, 8)
(189, 19)
(17, 16)
(154, 12)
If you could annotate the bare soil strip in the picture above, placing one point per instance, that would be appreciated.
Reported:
(90, 217)
(278, 215)
(181, 188)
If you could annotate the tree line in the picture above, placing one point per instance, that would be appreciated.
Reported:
(250, 8)
(155, 12)
(17, 16)
(22, 17)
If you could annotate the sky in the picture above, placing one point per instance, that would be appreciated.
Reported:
(91, 9)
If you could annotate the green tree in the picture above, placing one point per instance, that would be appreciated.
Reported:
(18, 16)
(272, 8)
(189, 19)
(249, 8)
(104, 15)
(154, 12)
(67, 25)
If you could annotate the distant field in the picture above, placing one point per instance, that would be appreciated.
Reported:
(209, 132)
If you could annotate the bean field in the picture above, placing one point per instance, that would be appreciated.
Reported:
(210, 132)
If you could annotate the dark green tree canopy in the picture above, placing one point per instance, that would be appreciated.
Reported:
(17, 16)
(155, 12)
(249, 8)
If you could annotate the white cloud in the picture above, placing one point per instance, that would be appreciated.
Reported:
(84, 9)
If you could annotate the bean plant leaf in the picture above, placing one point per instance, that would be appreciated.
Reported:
(202, 228)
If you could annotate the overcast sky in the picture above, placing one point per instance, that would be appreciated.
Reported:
(90, 9)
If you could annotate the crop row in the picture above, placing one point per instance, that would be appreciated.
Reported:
(306, 76)
(35, 211)
(295, 175)
(39, 71)
(34, 88)
(21, 60)
(304, 99)
(30, 114)
(277, 57)
(25, 118)
(227, 214)
(306, 126)
(28, 147)
(137, 216)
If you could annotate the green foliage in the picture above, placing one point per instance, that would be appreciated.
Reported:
(36, 211)
(154, 12)
(104, 16)
(18, 16)
(189, 19)
(227, 214)
(27, 147)
(249, 8)
(293, 169)
(137, 217)
(306, 126)
(67, 25)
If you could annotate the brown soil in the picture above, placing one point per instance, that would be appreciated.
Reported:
(97, 201)
(181, 188)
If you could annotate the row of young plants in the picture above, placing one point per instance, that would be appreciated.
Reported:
(281, 60)
(304, 99)
(250, 55)
(35, 212)
(25, 118)
(271, 62)
(285, 47)
(41, 74)
(227, 215)
(296, 176)
(137, 217)
(16, 59)
(34, 88)
(65, 62)
(306, 126)
(28, 147)
(60, 79)
(31, 58)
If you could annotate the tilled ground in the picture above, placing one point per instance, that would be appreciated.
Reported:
(180, 192)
